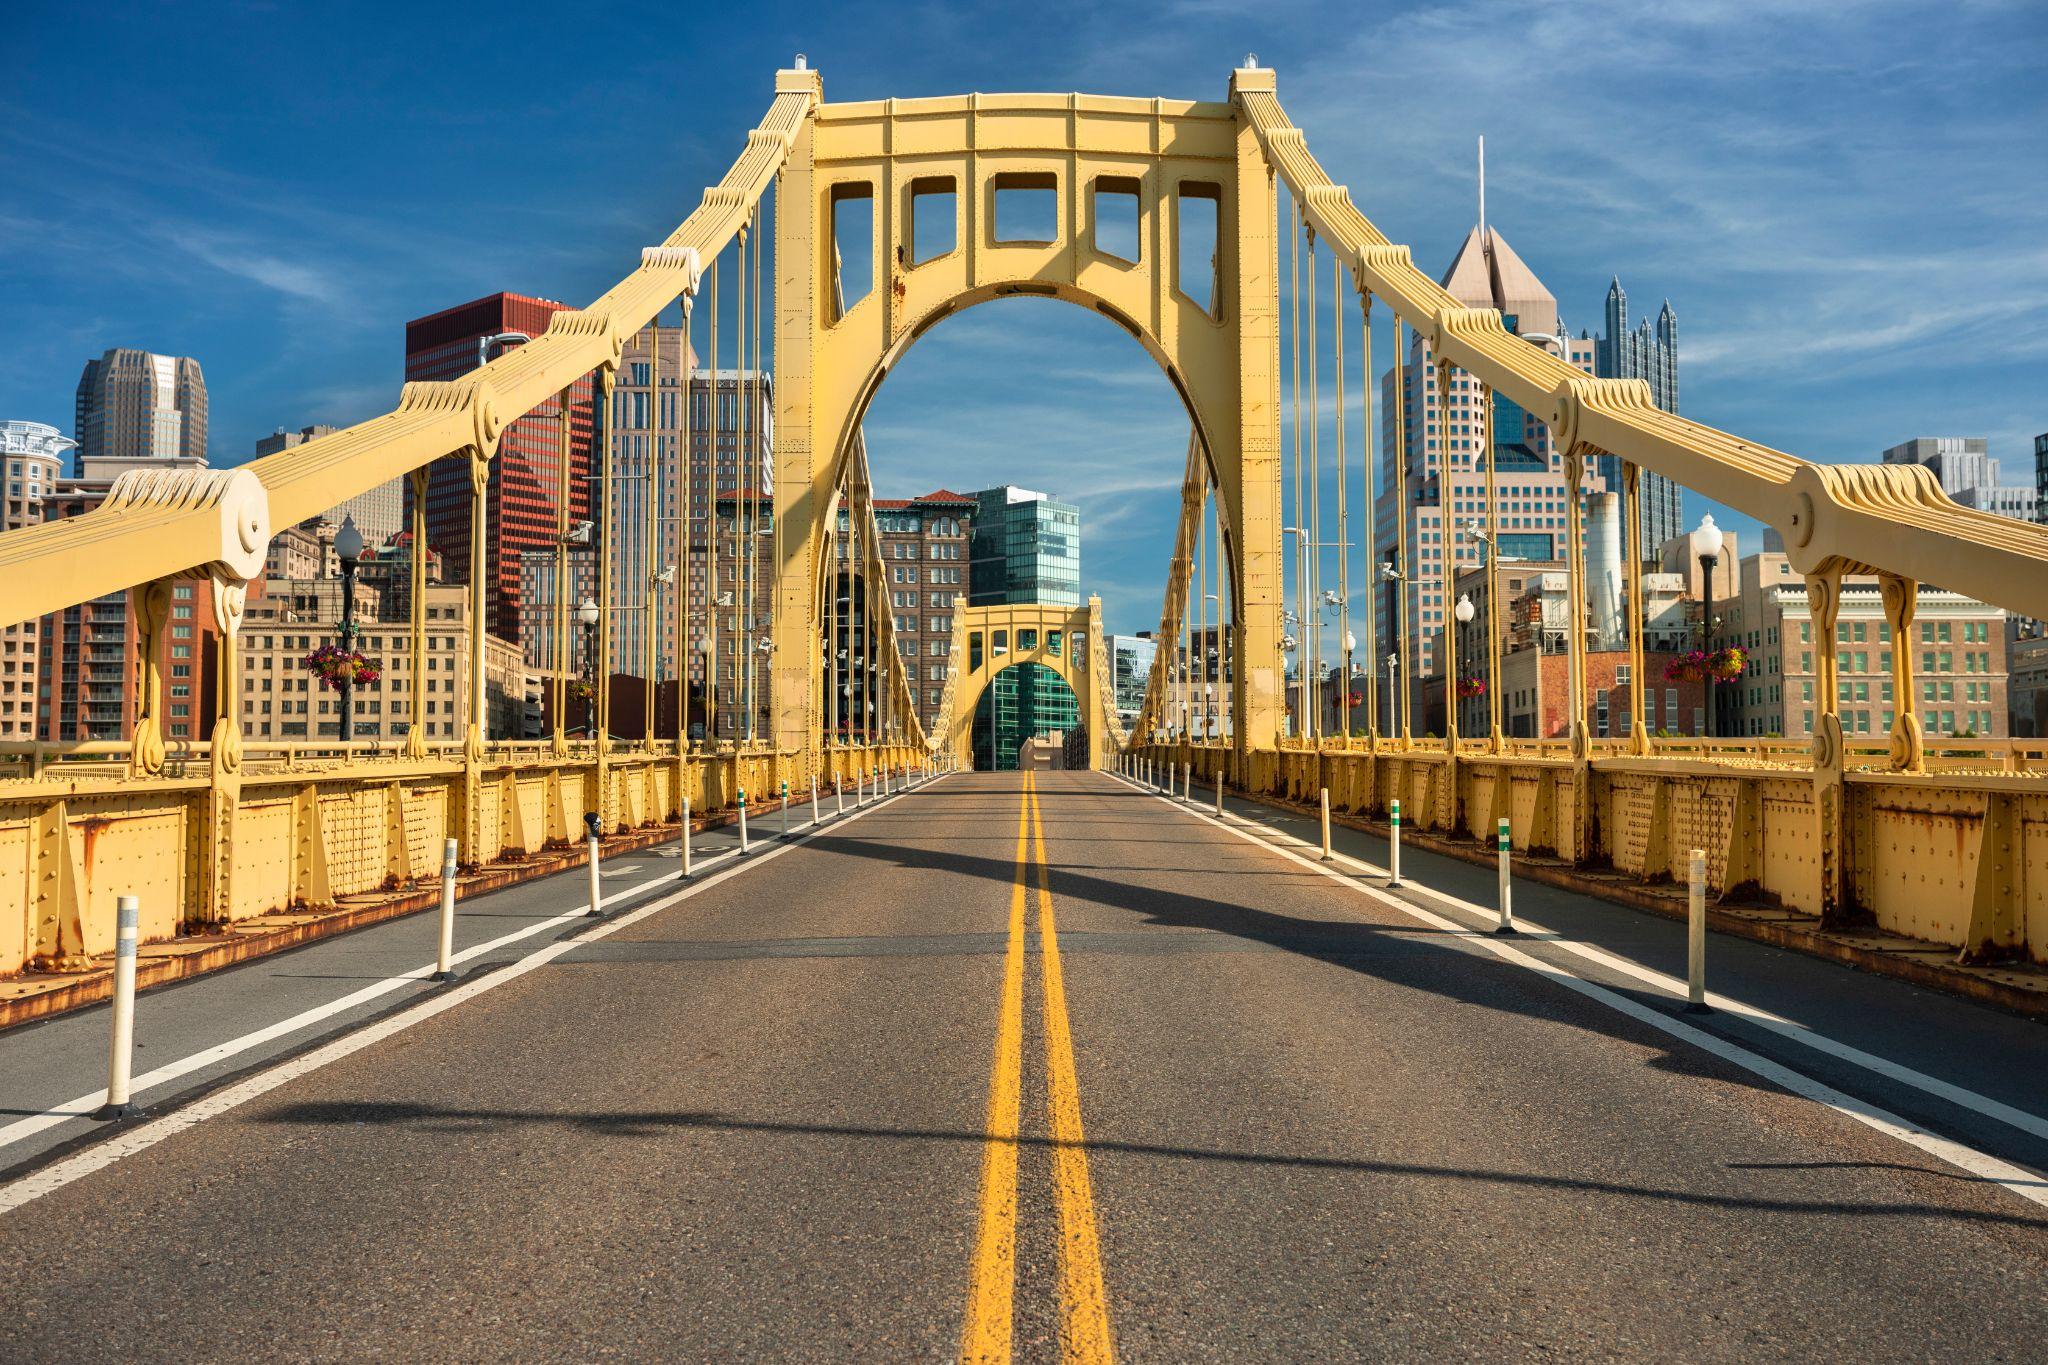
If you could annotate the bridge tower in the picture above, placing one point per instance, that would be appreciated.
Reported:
(906, 164)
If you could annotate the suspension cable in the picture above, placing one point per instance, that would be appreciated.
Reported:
(1402, 586)
(1365, 447)
(717, 424)
(685, 528)
(1343, 512)
(1300, 567)
(1494, 613)
(1312, 529)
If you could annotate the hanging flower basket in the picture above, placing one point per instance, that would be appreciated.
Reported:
(1358, 699)
(1471, 686)
(579, 690)
(336, 667)
(1698, 665)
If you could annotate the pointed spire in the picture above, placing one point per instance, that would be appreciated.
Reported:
(1614, 290)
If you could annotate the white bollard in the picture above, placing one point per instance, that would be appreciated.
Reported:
(1187, 782)
(838, 797)
(1696, 935)
(814, 798)
(444, 967)
(1394, 841)
(785, 809)
(1219, 794)
(686, 839)
(1507, 888)
(121, 1045)
(743, 822)
(596, 906)
(1326, 823)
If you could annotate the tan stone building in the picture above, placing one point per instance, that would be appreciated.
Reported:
(1957, 645)
(283, 702)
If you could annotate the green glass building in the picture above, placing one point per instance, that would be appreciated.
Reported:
(1026, 547)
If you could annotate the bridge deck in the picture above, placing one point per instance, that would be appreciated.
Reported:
(1319, 1120)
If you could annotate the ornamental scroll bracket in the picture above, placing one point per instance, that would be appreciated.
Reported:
(471, 394)
(237, 536)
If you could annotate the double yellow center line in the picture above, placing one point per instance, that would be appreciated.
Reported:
(1084, 1306)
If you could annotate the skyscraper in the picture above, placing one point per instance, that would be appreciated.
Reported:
(135, 406)
(522, 495)
(1967, 473)
(1445, 456)
(1025, 547)
(1652, 356)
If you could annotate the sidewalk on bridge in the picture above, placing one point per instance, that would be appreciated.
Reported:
(38, 995)
(215, 1025)
(2015, 986)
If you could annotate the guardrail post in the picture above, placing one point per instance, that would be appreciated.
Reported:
(686, 836)
(1326, 823)
(1394, 841)
(785, 809)
(444, 968)
(1696, 934)
(814, 798)
(591, 834)
(1506, 893)
(121, 1045)
(743, 822)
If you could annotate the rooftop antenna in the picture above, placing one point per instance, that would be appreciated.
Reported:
(1482, 189)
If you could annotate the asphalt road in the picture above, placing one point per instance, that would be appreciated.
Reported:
(1241, 1109)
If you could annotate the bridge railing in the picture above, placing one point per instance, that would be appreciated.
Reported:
(1953, 858)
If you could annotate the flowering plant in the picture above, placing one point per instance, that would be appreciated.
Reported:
(336, 667)
(1698, 665)
(1471, 685)
(580, 690)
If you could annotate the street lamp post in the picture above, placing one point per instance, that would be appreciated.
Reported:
(586, 613)
(1706, 543)
(1464, 611)
(348, 546)
(1393, 685)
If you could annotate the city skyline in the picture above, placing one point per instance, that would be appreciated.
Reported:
(266, 254)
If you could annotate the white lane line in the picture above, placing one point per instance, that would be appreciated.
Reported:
(2020, 1180)
(1792, 1029)
(28, 1127)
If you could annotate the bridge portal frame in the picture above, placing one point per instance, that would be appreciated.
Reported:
(1222, 358)
(1065, 640)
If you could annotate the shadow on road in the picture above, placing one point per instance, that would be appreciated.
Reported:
(629, 1123)
(1399, 954)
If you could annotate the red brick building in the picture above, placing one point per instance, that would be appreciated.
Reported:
(520, 502)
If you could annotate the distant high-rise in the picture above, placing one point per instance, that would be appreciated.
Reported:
(2041, 477)
(1649, 354)
(1445, 457)
(134, 407)
(523, 493)
(1967, 473)
(1025, 547)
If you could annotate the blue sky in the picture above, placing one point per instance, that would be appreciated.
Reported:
(1841, 200)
